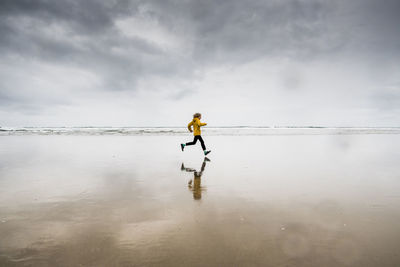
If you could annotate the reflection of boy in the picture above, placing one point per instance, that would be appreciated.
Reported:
(196, 187)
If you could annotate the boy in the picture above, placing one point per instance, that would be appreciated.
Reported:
(197, 132)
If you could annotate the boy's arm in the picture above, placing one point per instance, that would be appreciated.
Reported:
(190, 126)
(203, 124)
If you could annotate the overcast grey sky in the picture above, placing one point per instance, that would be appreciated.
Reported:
(155, 63)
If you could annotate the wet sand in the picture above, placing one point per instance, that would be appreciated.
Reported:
(303, 200)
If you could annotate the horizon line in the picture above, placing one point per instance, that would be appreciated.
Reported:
(232, 126)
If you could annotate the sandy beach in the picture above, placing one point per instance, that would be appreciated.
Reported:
(301, 200)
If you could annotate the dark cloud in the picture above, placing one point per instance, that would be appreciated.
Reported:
(83, 35)
(245, 30)
(240, 31)
(84, 16)
(219, 31)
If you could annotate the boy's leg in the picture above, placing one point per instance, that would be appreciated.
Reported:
(193, 142)
(203, 146)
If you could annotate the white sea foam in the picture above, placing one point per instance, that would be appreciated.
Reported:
(206, 130)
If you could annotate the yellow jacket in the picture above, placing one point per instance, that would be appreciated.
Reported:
(196, 126)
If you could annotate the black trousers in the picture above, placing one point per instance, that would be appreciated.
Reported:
(197, 137)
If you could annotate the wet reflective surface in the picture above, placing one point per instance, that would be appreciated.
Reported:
(259, 200)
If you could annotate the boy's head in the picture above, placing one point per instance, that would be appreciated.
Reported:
(197, 115)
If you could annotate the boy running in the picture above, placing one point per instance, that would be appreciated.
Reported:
(197, 132)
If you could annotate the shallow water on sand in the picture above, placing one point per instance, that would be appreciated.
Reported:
(321, 200)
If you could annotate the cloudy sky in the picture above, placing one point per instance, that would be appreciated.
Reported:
(155, 63)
